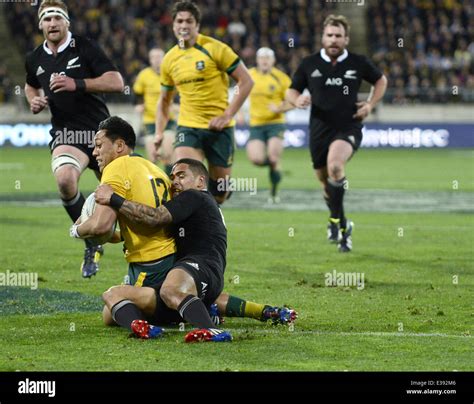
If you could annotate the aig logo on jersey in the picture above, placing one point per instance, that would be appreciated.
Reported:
(335, 81)
(200, 65)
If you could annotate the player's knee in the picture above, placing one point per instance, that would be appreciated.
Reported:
(171, 296)
(336, 170)
(66, 180)
(111, 296)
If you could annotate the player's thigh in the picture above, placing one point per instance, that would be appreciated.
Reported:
(188, 143)
(80, 156)
(219, 147)
(275, 148)
(178, 279)
(340, 151)
(256, 151)
(143, 297)
(166, 150)
(188, 153)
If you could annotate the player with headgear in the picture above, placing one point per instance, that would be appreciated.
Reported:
(68, 73)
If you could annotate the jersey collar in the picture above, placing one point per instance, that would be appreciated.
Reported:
(328, 59)
(61, 48)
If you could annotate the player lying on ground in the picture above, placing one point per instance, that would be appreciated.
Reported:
(149, 251)
(68, 73)
(201, 239)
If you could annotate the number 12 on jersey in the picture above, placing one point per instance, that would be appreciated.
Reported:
(156, 184)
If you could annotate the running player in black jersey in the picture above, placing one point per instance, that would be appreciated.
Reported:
(333, 77)
(68, 73)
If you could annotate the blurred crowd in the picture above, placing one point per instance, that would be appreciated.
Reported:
(425, 47)
(436, 53)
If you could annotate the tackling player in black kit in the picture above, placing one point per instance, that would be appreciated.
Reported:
(197, 277)
(333, 77)
(67, 73)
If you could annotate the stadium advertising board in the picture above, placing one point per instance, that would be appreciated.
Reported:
(436, 135)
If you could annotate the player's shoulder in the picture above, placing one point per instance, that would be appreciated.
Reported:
(210, 44)
(279, 73)
(170, 54)
(253, 70)
(115, 165)
(34, 54)
(357, 57)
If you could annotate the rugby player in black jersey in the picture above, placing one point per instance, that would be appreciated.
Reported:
(196, 280)
(333, 77)
(68, 73)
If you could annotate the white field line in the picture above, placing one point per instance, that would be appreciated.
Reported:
(281, 330)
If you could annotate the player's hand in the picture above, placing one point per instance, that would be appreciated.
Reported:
(274, 108)
(303, 101)
(220, 122)
(158, 140)
(363, 110)
(38, 104)
(62, 83)
(73, 231)
(103, 193)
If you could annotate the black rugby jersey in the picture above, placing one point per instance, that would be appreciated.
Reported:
(334, 88)
(78, 58)
(199, 228)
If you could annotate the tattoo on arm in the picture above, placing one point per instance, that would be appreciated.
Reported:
(142, 214)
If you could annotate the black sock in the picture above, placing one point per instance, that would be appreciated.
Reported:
(336, 196)
(275, 176)
(343, 222)
(74, 206)
(326, 198)
(193, 310)
(124, 312)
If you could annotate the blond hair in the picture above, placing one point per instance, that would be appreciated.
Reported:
(52, 3)
(336, 21)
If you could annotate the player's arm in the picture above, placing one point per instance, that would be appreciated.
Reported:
(244, 84)
(108, 82)
(98, 224)
(283, 107)
(163, 113)
(296, 99)
(135, 212)
(36, 98)
(364, 108)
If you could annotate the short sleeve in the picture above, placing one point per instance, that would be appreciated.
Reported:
(166, 80)
(31, 78)
(299, 81)
(98, 62)
(371, 72)
(226, 59)
(184, 205)
(139, 85)
(115, 176)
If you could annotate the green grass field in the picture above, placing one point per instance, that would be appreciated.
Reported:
(413, 241)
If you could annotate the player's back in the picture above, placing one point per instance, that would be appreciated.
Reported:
(139, 180)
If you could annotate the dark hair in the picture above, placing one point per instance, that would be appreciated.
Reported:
(196, 167)
(117, 128)
(189, 6)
